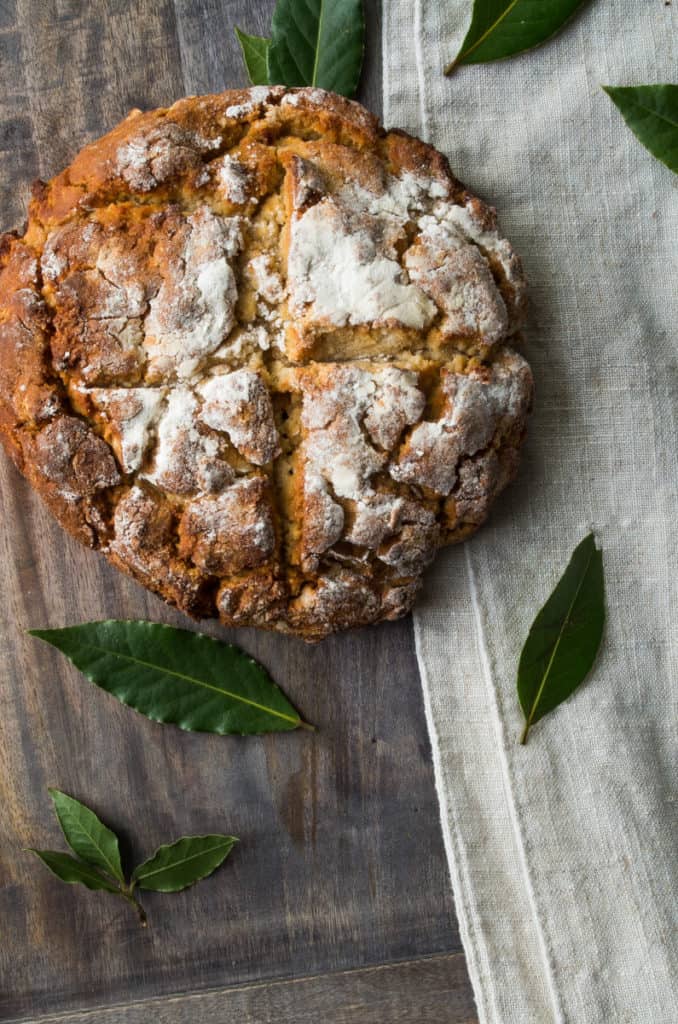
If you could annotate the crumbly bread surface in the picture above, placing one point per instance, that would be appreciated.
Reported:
(254, 350)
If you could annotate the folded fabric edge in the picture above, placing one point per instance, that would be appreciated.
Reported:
(450, 841)
(533, 997)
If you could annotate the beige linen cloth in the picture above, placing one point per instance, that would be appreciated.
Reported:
(562, 853)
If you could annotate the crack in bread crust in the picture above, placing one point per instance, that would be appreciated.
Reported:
(254, 349)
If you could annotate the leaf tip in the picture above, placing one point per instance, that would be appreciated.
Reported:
(610, 90)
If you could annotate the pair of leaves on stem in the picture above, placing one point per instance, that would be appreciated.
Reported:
(565, 636)
(177, 677)
(97, 864)
(313, 42)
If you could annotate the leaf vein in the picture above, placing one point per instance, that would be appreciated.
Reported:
(561, 632)
(488, 31)
(192, 679)
(184, 860)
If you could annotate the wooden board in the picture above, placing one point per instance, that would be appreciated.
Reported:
(341, 864)
(429, 990)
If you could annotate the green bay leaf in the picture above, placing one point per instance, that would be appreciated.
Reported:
(651, 112)
(177, 677)
(255, 54)
(86, 835)
(318, 43)
(565, 636)
(502, 28)
(68, 869)
(180, 864)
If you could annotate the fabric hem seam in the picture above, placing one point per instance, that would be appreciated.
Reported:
(509, 786)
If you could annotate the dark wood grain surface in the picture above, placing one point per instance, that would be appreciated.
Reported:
(341, 864)
(428, 990)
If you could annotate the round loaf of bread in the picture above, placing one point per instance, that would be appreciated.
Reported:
(253, 348)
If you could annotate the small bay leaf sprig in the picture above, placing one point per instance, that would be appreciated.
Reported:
(565, 636)
(178, 677)
(312, 43)
(503, 28)
(97, 864)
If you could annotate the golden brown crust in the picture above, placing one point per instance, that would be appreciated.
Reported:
(253, 349)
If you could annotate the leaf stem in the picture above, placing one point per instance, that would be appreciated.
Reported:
(127, 893)
(523, 735)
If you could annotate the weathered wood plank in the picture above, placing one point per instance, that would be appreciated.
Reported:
(341, 862)
(432, 990)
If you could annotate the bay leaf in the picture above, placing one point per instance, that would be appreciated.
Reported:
(502, 28)
(565, 636)
(86, 835)
(255, 54)
(180, 864)
(651, 112)
(175, 676)
(68, 869)
(318, 43)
